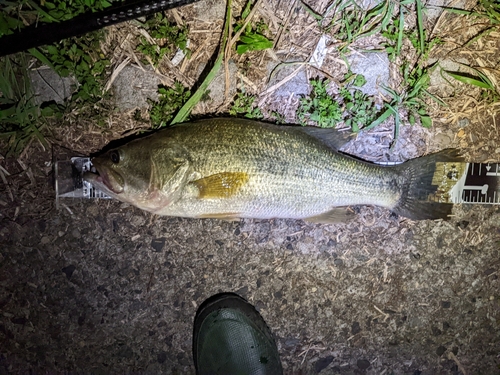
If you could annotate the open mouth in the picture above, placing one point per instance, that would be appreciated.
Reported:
(103, 180)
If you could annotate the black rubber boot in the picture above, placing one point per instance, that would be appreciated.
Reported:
(231, 338)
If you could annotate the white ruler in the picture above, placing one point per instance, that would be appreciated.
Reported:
(465, 182)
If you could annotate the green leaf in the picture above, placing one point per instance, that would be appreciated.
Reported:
(426, 121)
(359, 81)
(469, 79)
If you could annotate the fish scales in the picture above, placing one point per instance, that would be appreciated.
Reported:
(231, 168)
(291, 175)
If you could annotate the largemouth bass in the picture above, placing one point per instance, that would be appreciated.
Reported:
(233, 168)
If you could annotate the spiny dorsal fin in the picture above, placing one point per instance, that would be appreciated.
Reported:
(221, 185)
(330, 137)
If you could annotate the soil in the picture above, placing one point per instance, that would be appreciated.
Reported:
(102, 287)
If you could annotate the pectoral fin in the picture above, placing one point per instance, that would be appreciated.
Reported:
(335, 216)
(221, 185)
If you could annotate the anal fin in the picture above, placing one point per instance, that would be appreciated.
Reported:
(334, 216)
(227, 216)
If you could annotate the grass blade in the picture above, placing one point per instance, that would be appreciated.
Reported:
(311, 11)
(470, 80)
(35, 52)
(399, 43)
(420, 24)
(185, 110)
(384, 116)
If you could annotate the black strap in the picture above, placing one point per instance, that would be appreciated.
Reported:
(38, 35)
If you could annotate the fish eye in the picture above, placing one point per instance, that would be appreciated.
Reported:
(115, 156)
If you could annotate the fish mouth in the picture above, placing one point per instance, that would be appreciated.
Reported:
(106, 180)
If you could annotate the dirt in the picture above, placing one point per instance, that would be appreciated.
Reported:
(99, 286)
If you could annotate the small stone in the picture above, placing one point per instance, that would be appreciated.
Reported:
(45, 240)
(76, 233)
(68, 271)
(157, 244)
(440, 350)
(489, 271)
(61, 233)
(436, 331)
(291, 342)
(19, 320)
(356, 328)
(363, 364)
(445, 304)
(162, 357)
(242, 291)
(338, 262)
(463, 122)
(322, 363)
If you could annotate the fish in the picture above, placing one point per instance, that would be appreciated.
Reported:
(231, 168)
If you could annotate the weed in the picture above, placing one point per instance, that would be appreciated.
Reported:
(169, 102)
(351, 106)
(191, 101)
(252, 39)
(360, 109)
(168, 37)
(409, 100)
(279, 118)
(244, 105)
(14, 12)
(19, 116)
(356, 23)
(394, 36)
(489, 9)
(319, 106)
(427, 46)
(81, 57)
(478, 79)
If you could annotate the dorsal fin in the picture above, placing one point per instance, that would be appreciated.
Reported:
(332, 138)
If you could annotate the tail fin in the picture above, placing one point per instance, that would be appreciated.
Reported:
(418, 175)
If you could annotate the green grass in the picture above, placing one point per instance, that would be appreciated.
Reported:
(350, 106)
(19, 116)
(168, 36)
(169, 102)
(319, 107)
(408, 100)
(44, 11)
(82, 58)
(252, 38)
(355, 23)
(485, 9)
(244, 105)
(478, 79)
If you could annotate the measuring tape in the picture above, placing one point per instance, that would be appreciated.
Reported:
(458, 182)
(468, 183)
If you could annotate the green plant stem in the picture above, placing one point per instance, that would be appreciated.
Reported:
(186, 109)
